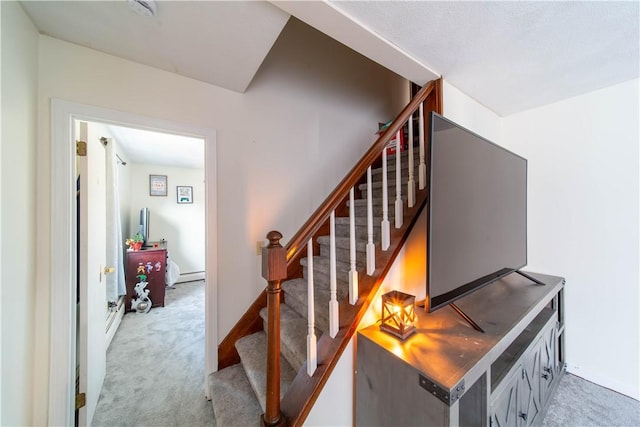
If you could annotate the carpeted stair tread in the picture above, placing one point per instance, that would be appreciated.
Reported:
(405, 154)
(234, 402)
(375, 201)
(404, 160)
(343, 251)
(391, 186)
(322, 279)
(321, 271)
(360, 221)
(343, 230)
(252, 350)
(343, 243)
(376, 210)
(286, 313)
(376, 173)
(322, 263)
(297, 299)
(293, 336)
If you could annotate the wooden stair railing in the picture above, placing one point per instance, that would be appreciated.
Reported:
(274, 270)
(302, 393)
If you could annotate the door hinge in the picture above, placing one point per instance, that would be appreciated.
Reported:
(81, 400)
(81, 148)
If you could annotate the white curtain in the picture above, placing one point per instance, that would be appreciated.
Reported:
(115, 282)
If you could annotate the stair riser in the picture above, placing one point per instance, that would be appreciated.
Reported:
(344, 255)
(404, 155)
(252, 350)
(404, 160)
(343, 243)
(360, 221)
(284, 352)
(321, 313)
(391, 177)
(342, 230)
(296, 298)
(375, 202)
(295, 351)
(391, 187)
(361, 211)
(376, 174)
(321, 279)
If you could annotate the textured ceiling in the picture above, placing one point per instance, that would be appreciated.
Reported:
(222, 43)
(155, 148)
(512, 56)
(509, 56)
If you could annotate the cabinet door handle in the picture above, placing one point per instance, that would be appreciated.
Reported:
(545, 376)
(547, 369)
(523, 416)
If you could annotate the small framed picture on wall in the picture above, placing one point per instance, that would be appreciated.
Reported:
(157, 185)
(184, 194)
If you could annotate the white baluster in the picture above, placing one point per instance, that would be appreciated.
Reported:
(312, 351)
(384, 225)
(399, 212)
(353, 273)
(371, 248)
(334, 323)
(411, 184)
(422, 169)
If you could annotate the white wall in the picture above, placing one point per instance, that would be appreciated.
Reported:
(182, 225)
(470, 114)
(18, 224)
(282, 146)
(583, 223)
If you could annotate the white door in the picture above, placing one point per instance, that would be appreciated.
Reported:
(93, 306)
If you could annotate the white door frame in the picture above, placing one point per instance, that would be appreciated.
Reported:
(62, 350)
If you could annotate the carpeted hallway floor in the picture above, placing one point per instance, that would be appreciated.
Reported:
(155, 366)
(580, 403)
(155, 375)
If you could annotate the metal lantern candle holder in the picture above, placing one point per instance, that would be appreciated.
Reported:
(398, 315)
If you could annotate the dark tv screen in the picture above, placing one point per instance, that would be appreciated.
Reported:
(477, 212)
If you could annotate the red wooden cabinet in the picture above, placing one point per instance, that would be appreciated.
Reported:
(152, 263)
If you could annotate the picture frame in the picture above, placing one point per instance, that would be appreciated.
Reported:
(158, 185)
(184, 194)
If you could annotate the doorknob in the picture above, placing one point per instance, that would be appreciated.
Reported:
(108, 270)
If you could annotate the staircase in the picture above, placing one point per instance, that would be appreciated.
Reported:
(239, 390)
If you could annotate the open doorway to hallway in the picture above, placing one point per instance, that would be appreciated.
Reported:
(170, 221)
(63, 176)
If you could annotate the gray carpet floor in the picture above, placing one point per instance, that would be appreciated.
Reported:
(580, 403)
(155, 375)
(155, 366)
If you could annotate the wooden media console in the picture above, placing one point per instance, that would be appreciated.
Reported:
(449, 374)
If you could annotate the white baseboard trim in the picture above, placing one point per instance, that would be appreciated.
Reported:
(113, 322)
(191, 277)
(627, 388)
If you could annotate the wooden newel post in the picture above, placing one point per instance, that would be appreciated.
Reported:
(274, 270)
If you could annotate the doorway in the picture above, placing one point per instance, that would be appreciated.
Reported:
(170, 223)
(63, 251)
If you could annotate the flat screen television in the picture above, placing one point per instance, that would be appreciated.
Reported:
(143, 227)
(476, 212)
